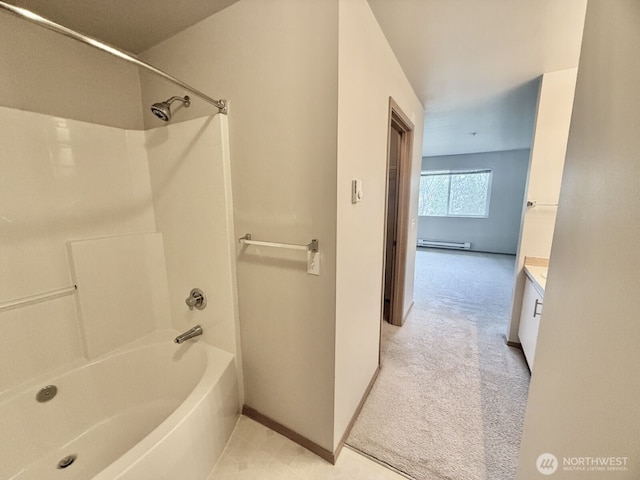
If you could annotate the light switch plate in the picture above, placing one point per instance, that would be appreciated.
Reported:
(356, 191)
(313, 262)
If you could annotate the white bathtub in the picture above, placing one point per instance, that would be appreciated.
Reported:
(153, 410)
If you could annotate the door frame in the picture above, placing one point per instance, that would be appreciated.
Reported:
(398, 121)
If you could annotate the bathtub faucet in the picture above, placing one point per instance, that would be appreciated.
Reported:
(193, 332)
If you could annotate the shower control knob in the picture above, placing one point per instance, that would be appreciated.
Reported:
(196, 299)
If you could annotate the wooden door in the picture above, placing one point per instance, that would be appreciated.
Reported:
(399, 152)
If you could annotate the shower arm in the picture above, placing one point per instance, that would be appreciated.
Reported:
(184, 100)
(105, 47)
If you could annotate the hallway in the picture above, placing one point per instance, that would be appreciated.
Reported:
(450, 398)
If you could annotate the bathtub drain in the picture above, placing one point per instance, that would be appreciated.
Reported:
(67, 461)
(47, 393)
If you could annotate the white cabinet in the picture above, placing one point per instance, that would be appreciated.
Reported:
(530, 321)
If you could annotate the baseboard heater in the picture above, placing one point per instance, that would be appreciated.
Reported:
(423, 242)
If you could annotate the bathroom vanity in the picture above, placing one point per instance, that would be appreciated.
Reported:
(532, 309)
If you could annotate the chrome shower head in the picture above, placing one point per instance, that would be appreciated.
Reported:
(162, 110)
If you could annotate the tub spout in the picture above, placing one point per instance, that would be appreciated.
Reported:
(193, 332)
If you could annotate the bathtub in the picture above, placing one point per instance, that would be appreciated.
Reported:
(152, 410)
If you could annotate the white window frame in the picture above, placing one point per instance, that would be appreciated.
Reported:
(458, 172)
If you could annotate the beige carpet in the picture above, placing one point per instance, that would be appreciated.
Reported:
(450, 398)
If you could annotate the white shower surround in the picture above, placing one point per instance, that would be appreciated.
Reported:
(94, 181)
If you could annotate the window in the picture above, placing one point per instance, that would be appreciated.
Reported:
(455, 194)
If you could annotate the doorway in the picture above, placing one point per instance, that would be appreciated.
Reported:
(399, 147)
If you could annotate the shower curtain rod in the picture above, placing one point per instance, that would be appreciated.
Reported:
(105, 47)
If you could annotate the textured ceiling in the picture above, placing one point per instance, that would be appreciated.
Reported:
(473, 64)
(130, 25)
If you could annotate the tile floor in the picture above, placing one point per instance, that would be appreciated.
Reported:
(258, 453)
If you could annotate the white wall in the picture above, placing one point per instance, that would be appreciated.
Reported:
(191, 183)
(500, 231)
(583, 399)
(368, 75)
(47, 73)
(62, 180)
(553, 117)
(276, 62)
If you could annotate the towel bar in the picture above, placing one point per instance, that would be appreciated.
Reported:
(312, 249)
(19, 302)
(312, 246)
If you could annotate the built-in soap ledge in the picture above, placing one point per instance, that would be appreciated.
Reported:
(536, 269)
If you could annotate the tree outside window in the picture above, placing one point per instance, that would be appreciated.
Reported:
(455, 194)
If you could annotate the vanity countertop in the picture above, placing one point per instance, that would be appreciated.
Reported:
(538, 276)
